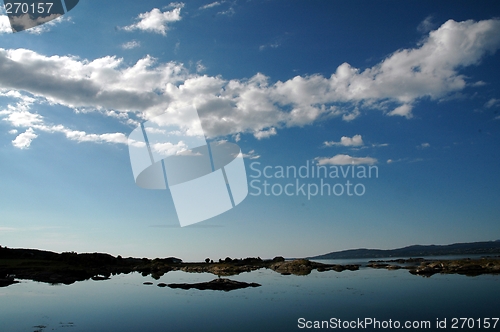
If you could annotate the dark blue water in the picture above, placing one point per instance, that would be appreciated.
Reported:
(125, 304)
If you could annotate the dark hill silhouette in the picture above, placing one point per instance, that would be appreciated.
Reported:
(473, 248)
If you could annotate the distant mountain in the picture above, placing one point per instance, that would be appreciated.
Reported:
(490, 247)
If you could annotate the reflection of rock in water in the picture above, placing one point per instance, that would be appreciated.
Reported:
(41, 328)
(304, 267)
(427, 268)
(4, 282)
(216, 284)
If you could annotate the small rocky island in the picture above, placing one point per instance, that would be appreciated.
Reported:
(216, 284)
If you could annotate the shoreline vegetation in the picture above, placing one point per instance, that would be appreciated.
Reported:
(69, 267)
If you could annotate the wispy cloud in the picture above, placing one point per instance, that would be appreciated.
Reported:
(493, 102)
(344, 159)
(251, 155)
(131, 44)
(211, 5)
(426, 25)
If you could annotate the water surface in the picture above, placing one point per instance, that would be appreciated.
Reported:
(123, 303)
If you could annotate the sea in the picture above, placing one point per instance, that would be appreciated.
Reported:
(367, 299)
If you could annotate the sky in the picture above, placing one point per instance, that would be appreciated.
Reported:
(408, 90)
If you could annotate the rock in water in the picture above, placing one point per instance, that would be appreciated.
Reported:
(216, 284)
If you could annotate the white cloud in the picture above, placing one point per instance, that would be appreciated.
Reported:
(426, 25)
(344, 159)
(255, 105)
(356, 140)
(271, 45)
(265, 133)
(131, 44)
(157, 21)
(228, 12)
(24, 119)
(102, 83)
(251, 155)
(23, 141)
(5, 24)
(478, 83)
(169, 149)
(403, 110)
(200, 67)
(493, 102)
(82, 136)
(45, 27)
(349, 116)
(211, 5)
(424, 145)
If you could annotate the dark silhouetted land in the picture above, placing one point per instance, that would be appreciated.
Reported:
(473, 248)
(69, 267)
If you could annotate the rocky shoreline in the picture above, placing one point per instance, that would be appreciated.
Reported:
(427, 268)
(67, 268)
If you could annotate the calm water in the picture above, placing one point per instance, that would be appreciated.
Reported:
(125, 304)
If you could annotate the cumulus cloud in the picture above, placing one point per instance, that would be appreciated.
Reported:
(156, 21)
(5, 24)
(344, 159)
(255, 105)
(169, 149)
(23, 141)
(356, 140)
(102, 83)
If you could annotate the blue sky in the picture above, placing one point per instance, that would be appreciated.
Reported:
(410, 87)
